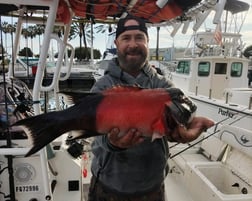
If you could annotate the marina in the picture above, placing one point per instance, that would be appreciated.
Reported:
(213, 73)
(72, 76)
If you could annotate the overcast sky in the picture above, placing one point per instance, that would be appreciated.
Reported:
(181, 40)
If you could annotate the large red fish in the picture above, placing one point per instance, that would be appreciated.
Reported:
(154, 112)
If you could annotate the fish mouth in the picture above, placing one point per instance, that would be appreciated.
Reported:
(180, 111)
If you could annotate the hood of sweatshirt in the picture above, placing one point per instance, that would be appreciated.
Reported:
(114, 70)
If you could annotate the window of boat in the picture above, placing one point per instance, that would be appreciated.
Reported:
(183, 67)
(220, 68)
(203, 69)
(236, 69)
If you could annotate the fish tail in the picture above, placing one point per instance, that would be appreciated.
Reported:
(42, 129)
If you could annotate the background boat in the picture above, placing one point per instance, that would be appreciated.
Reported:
(213, 73)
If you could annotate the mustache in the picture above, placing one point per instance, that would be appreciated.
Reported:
(134, 51)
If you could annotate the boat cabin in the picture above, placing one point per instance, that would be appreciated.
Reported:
(211, 68)
(210, 76)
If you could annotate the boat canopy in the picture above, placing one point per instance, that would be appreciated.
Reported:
(103, 10)
(235, 6)
(155, 12)
(150, 10)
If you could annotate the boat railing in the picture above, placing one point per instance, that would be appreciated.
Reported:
(53, 6)
(56, 74)
(205, 44)
(14, 151)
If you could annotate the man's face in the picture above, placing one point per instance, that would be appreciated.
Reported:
(132, 48)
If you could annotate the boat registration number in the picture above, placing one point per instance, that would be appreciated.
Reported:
(27, 188)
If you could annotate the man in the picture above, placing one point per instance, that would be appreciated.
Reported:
(130, 167)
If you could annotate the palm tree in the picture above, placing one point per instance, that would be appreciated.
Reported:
(4, 28)
(59, 30)
(102, 28)
(83, 30)
(7, 29)
(26, 35)
(110, 29)
(29, 32)
(39, 30)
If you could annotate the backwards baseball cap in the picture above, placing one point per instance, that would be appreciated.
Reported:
(122, 28)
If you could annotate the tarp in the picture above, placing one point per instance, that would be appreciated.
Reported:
(151, 10)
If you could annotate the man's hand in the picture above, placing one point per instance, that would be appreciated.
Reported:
(180, 134)
(183, 134)
(131, 138)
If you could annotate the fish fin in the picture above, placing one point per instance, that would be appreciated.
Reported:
(159, 129)
(80, 134)
(44, 128)
(89, 133)
(156, 136)
(41, 129)
(75, 134)
(75, 96)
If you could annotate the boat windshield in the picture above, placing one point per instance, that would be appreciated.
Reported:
(183, 67)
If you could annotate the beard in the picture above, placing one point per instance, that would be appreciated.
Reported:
(132, 60)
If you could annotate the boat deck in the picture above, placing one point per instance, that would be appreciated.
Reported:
(174, 190)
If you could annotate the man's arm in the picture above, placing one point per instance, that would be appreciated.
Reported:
(180, 134)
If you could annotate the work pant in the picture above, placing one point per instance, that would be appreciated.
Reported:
(98, 192)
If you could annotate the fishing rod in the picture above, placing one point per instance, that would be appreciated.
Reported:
(31, 102)
(216, 124)
(204, 138)
(6, 128)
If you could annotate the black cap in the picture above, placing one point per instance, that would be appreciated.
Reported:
(121, 28)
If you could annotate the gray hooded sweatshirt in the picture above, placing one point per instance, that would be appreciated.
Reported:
(138, 169)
